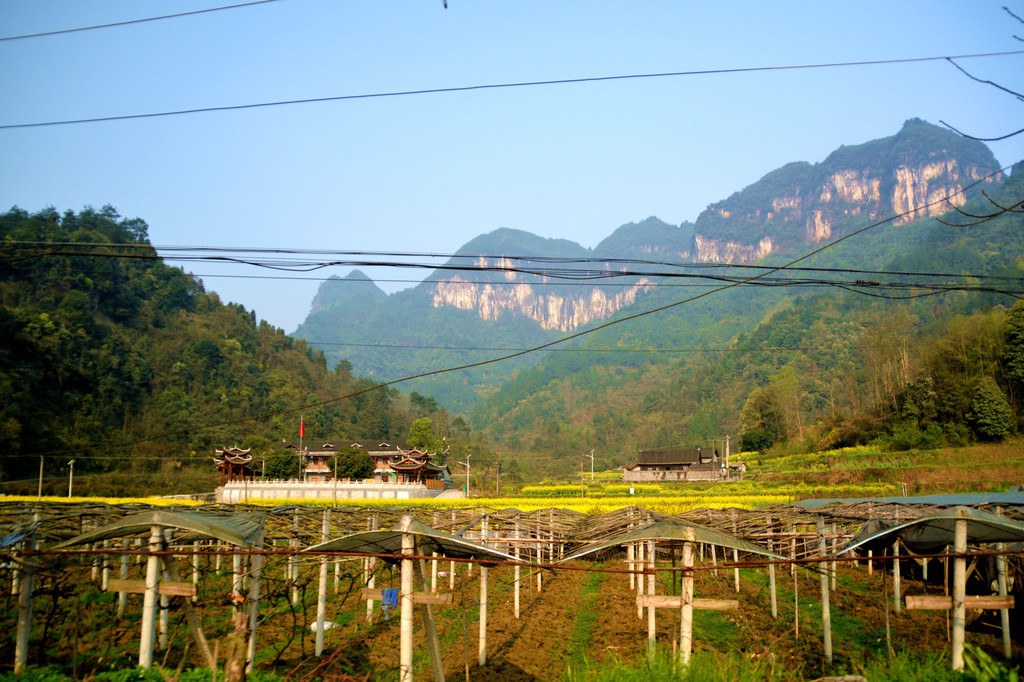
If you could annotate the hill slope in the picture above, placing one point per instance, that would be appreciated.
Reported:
(122, 363)
(490, 308)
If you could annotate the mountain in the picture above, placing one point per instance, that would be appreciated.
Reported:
(358, 291)
(477, 304)
(907, 175)
(127, 365)
(899, 366)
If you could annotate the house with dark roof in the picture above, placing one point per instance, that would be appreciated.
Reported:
(316, 460)
(392, 464)
(680, 464)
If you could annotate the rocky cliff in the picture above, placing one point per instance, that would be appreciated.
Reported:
(480, 301)
(921, 171)
(564, 312)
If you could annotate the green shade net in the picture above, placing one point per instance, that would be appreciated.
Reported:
(428, 539)
(935, 531)
(676, 531)
(240, 530)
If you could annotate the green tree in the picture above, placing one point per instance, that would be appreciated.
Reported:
(990, 415)
(1013, 350)
(423, 437)
(283, 464)
(762, 416)
(353, 463)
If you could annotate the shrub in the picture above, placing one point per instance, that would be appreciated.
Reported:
(991, 416)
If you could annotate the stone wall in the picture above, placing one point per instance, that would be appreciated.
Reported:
(680, 476)
(299, 490)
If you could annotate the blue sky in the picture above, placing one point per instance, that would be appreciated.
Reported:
(427, 173)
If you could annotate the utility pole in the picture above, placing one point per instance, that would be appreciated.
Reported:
(591, 456)
(466, 464)
(497, 480)
(71, 475)
(40, 477)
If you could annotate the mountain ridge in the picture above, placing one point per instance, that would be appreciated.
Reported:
(796, 206)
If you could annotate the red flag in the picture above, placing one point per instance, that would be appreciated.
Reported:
(302, 428)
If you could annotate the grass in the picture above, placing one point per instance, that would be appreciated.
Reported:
(904, 667)
(586, 618)
(665, 667)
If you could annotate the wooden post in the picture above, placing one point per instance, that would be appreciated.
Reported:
(1001, 582)
(256, 564)
(959, 592)
(826, 609)
(482, 658)
(25, 585)
(194, 623)
(236, 584)
(165, 600)
(195, 570)
(771, 573)
(638, 556)
(451, 564)
(370, 567)
(686, 609)
(433, 574)
(122, 597)
(540, 557)
(735, 554)
(293, 560)
(896, 585)
(796, 598)
(516, 582)
(105, 572)
(651, 624)
(408, 546)
(792, 551)
(148, 624)
(835, 546)
(427, 615)
(321, 595)
(630, 552)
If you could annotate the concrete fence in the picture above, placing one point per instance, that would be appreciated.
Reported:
(238, 491)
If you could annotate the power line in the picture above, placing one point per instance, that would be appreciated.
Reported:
(609, 268)
(133, 21)
(510, 355)
(760, 349)
(496, 86)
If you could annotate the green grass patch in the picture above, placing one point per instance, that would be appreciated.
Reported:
(586, 618)
(665, 667)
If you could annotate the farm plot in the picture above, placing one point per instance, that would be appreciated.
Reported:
(583, 618)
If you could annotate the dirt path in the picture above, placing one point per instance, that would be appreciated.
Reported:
(532, 647)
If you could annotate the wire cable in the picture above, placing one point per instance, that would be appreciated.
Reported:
(509, 356)
(496, 86)
(133, 21)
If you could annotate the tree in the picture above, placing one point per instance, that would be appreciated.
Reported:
(1013, 350)
(353, 463)
(423, 437)
(990, 416)
(283, 464)
(762, 413)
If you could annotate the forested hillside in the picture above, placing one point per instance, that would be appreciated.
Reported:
(122, 363)
(927, 357)
(509, 289)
